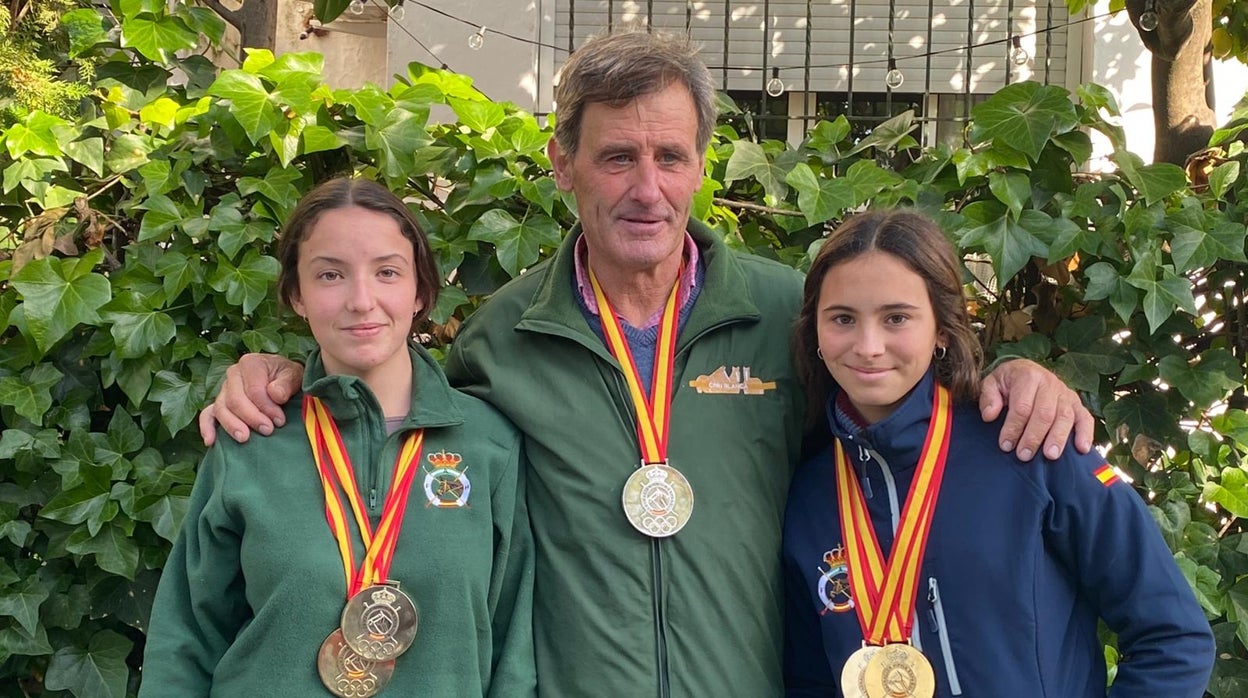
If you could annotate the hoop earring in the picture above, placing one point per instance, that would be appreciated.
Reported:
(940, 353)
(819, 352)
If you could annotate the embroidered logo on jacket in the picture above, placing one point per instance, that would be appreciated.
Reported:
(1106, 474)
(445, 485)
(738, 381)
(834, 582)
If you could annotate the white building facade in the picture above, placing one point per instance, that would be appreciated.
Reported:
(830, 57)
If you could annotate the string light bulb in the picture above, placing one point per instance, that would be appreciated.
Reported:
(1018, 54)
(893, 78)
(1148, 18)
(775, 86)
(477, 40)
(397, 13)
(357, 7)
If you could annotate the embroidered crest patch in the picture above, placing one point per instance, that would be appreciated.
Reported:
(834, 582)
(446, 485)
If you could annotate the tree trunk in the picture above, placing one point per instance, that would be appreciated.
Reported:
(1182, 75)
(255, 20)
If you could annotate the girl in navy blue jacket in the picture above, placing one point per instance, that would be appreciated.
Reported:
(919, 559)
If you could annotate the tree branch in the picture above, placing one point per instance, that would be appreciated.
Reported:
(20, 14)
(231, 16)
(759, 208)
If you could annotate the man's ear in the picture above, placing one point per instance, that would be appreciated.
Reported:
(561, 164)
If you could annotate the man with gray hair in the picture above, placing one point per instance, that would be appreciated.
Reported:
(648, 366)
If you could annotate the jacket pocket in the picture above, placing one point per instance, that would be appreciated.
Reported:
(936, 614)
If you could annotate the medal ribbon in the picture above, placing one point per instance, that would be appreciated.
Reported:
(334, 466)
(886, 592)
(653, 412)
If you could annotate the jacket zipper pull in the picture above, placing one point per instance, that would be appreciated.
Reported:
(931, 609)
(372, 498)
(865, 457)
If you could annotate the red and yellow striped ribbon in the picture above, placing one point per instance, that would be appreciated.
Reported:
(336, 472)
(885, 593)
(653, 412)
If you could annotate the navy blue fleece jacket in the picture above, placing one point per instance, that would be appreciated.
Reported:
(1022, 560)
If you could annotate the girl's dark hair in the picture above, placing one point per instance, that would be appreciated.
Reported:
(918, 243)
(341, 193)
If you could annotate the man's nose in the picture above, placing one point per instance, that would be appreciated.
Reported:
(646, 182)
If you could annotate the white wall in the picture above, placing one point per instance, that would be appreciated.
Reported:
(354, 46)
(503, 68)
(1119, 61)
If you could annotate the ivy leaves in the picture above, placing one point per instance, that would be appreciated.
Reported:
(60, 294)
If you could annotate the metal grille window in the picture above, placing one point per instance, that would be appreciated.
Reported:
(838, 52)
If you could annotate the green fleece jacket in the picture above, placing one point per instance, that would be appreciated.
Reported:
(255, 582)
(616, 613)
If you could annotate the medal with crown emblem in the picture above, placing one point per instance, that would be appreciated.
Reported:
(853, 674)
(348, 675)
(899, 670)
(446, 485)
(380, 622)
(885, 588)
(657, 500)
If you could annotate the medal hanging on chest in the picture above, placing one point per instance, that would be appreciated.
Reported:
(887, 665)
(657, 499)
(379, 620)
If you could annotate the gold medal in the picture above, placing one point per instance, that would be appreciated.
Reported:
(347, 674)
(899, 671)
(853, 674)
(380, 622)
(657, 500)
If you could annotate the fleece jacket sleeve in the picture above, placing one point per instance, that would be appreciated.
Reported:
(199, 603)
(511, 588)
(1102, 530)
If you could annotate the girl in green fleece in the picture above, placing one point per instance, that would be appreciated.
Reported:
(394, 558)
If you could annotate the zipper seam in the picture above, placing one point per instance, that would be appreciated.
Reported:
(942, 633)
(665, 688)
(656, 561)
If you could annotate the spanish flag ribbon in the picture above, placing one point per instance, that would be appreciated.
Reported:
(885, 591)
(653, 411)
(336, 473)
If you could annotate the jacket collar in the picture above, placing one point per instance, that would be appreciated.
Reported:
(349, 397)
(723, 297)
(899, 437)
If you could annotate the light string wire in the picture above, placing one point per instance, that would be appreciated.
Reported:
(871, 61)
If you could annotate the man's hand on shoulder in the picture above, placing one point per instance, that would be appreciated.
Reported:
(1041, 410)
(251, 397)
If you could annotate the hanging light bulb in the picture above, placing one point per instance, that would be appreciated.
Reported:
(477, 40)
(1018, 54)
(775, 86)
(1148, 18)
(357, 7)
(893, 78)
(397, 13)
